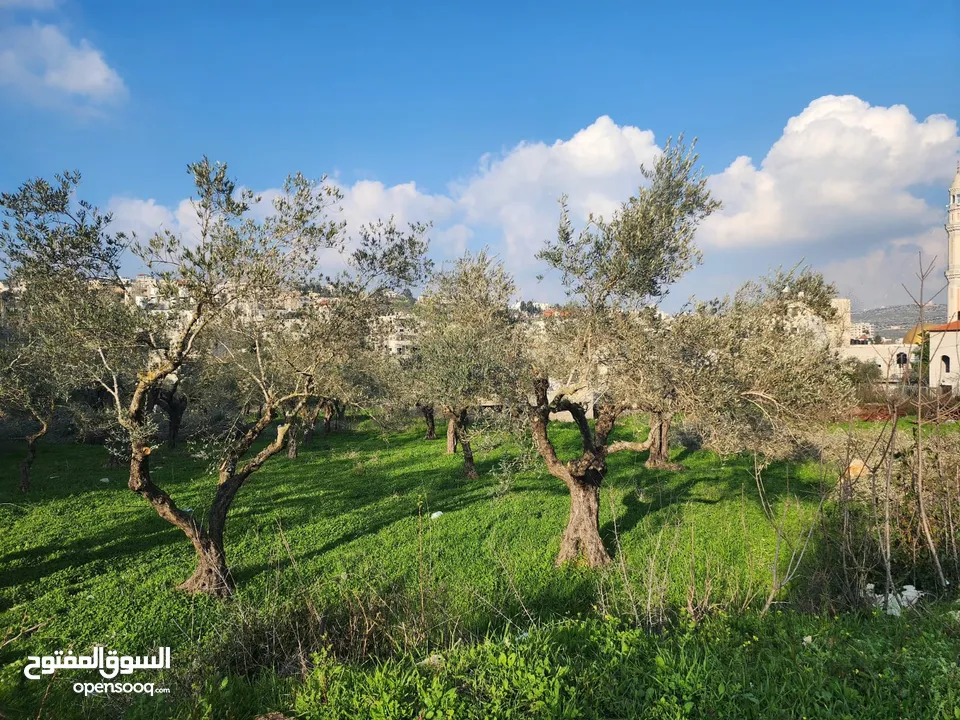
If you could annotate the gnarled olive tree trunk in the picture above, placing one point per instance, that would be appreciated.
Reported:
(176, 408)
(27, 463)
(212, 575)
(173, 403)
(327, 418)
(457, 420)
(451, 436)
(583, 475)
(468, 465)
(581, 537)
(293, 446)
(660, 435)
(428, 417)
(660, 442)
(311, 414)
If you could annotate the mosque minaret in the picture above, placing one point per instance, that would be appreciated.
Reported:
(953, 252)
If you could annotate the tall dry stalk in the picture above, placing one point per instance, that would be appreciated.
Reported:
(923, 275)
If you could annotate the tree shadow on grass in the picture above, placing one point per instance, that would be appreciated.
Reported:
(87, 555)
(368, 523)
(655, 490)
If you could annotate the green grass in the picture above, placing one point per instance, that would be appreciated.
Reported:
(90, 562)
(781, 666)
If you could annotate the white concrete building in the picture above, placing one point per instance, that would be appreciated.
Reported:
(893, 359)
(945, 356)
(143, 290)
(401, 333)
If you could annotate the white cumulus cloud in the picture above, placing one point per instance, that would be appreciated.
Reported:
(367, 201)
(42, 64)
(146, 218)
(597, 168)
(842, 169)
(844, 186)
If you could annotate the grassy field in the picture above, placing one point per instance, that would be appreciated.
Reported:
(343, 536)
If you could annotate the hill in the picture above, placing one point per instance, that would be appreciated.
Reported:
(894, 321)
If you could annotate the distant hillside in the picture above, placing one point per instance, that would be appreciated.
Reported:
(894, 321)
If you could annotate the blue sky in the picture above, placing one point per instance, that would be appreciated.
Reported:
(399, 93)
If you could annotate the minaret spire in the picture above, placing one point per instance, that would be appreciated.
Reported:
(953, 252)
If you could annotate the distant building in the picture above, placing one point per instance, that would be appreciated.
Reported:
(894, 358)
(530, 306)
(143, 290)
(401, 333)
(853, 343)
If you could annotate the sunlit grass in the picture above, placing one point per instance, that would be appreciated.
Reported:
(90, 562)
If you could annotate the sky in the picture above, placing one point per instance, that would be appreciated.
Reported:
(828, 130)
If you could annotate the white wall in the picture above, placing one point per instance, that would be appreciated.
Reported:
(945, 345)
(883, 356)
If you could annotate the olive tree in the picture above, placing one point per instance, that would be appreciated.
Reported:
(786, 311)
(467, 354)
(608, 268)
(283, 360)
(280, 363)
(56, 250)
(760, 374)
(218, 291)
(221, 305)
(29, 387)
(411, 391)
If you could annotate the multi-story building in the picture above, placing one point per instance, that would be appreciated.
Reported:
(400, 333)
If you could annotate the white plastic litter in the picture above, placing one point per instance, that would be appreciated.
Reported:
(434, 661)
(104, 479)
(896, 602)
(435, 515)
